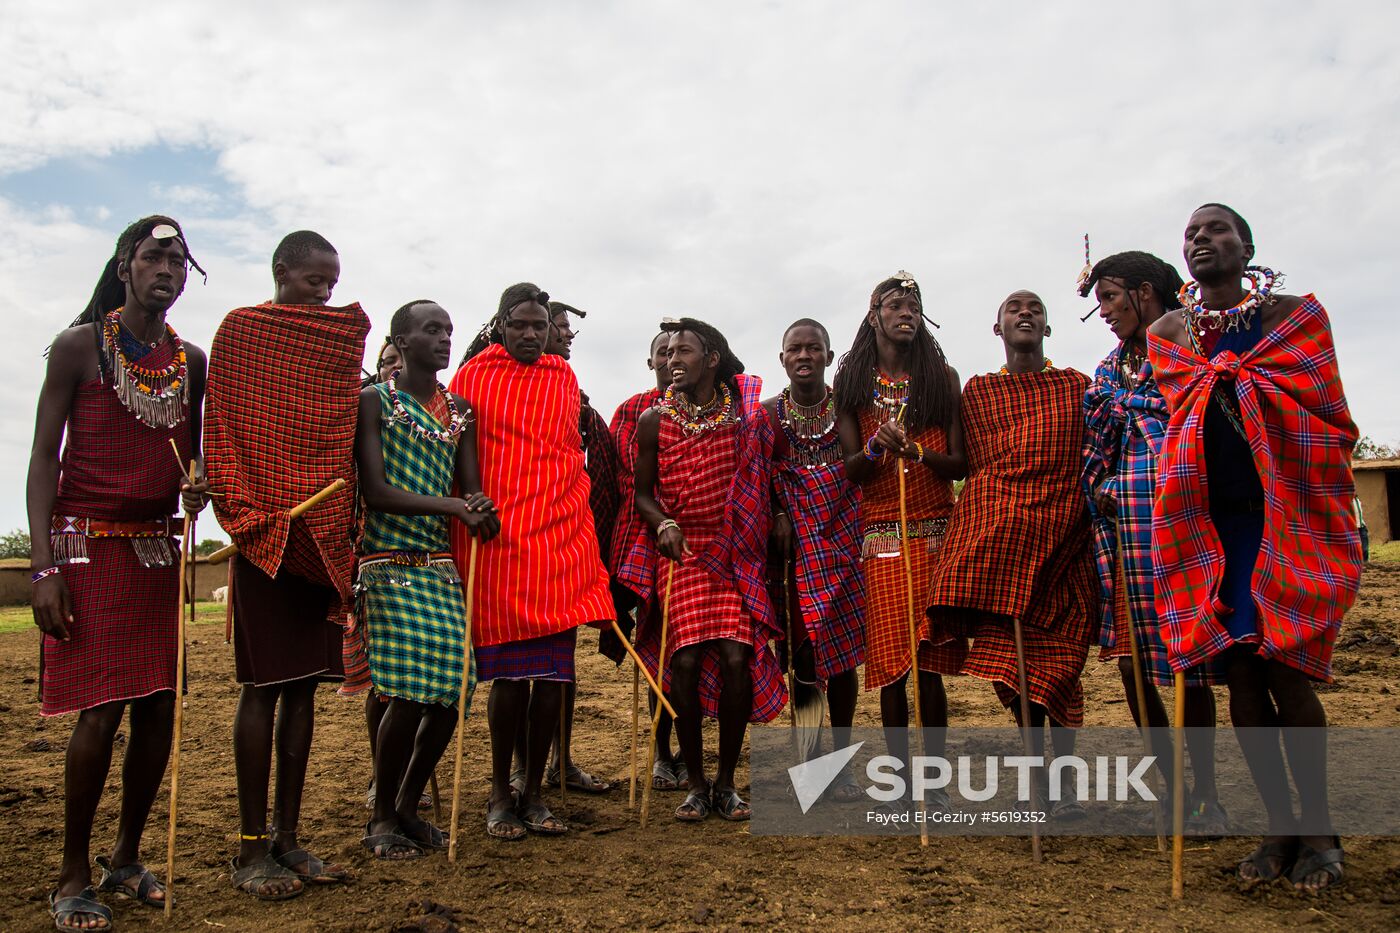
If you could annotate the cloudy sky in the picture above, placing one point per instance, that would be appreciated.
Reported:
(746, 163)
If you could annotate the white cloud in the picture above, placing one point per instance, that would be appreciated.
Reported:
(745, 163)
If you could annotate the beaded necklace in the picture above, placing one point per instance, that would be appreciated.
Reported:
(1049, 365)
(889, 395)
(1130, 367)
(456, 420)
(159, 398)
(1262, 283)
(697, 419)
(813, 440)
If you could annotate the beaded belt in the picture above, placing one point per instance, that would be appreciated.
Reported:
(381, 568)
(882, 538)
(405, 558)
(150, 539)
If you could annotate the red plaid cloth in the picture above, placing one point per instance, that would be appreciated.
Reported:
(1309, 568)
(824, 507)
(624, 436)
(121, 643)
(1018, 541)
(707, 483)
(886, 586)
(543, 573)
(279, 426)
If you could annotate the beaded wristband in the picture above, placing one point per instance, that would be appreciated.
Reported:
(873, 451)
(920, 448)
(667, 523)
(41, 574)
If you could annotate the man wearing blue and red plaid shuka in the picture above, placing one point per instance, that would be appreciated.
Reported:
(701, 495)
(121, 387)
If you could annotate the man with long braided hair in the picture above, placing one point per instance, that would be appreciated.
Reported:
(1126, 419)
(543, 576)
(703, 496)
(120, 388)
(897, 402)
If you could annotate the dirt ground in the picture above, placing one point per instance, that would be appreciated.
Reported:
(609, 873)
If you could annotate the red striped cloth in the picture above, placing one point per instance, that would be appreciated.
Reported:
(1300, 430)
(543, 573)
(1018, 540)
(121, 643)
(279, 426)
(886, 585)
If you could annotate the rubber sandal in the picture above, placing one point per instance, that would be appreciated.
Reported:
(663, 775)
(1285, 853)
(381, 845)
(695, 808)
(1208, 820)
(264, 869)
(317, 871)
(536, 817)
(504, 816)
(436, 838)
(84, 902)
(731, 806)
(580, 780)
(1310, 861)
(114, 881)
(682, 775)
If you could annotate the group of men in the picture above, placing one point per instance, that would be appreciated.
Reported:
(1165, 506)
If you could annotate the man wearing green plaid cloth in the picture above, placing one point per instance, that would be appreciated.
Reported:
(413, 441)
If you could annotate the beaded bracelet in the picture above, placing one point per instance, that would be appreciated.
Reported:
(41, 574)
(667, 523)
(920, 447)
(873, 451)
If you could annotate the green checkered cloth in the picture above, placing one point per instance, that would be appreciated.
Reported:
(411, 603)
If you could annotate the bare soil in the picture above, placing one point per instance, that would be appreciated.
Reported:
(611, 874)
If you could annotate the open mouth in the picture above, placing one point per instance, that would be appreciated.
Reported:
(905, 326)
(1202, 252)
(802, 369)
(1025, 325)
(677, 372)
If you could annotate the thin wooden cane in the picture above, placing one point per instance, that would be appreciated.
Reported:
(652, 685)
(1122, 611)
(186, 558)
(660, 667)
(1179, 786)
(301, 508)
(462, 704)
(228, 603)
(913, 630)
(1022, 683)
(636, 716)
(791, 646)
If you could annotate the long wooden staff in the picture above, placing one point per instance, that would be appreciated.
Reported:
(1121, 605)
(224, 553)
(636, 700)
(186, 561)
(913, 623)
(637, 660)
(1179, 786)
(462, 704)
(660, 667)
(1026, 724)
(791, 647)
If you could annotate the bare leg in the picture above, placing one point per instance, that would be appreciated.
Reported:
(735, 706)
(506, 708)
(86, 765)
(397, 730)
(570, 692)
(1256, 727)
(296, 723)
(252, 754)
(147, 753)
(685, 697)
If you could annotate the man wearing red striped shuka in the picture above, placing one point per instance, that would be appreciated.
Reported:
(897, 410)
(669, 772)
(699, 488)
(543, 576)
(122, 386)
(1256, 555)
(1017, 545)
(284, 381)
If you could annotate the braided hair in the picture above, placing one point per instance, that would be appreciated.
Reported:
(110, 292)
(1134, 268)
(512, 298)
(931, 402)
(711, 341)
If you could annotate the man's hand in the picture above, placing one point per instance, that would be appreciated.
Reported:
(782, 533)
(53, 608)
(670, 542)
(194, 496)
(478, 513)
(891, 437)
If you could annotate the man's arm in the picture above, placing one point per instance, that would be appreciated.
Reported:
(953, 464)
(670, 542)
(72, 356)
(482, 519)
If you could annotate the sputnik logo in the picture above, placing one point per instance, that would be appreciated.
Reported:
(811, 778)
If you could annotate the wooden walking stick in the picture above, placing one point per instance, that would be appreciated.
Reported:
(791, 647)
(636, 699)
(1179, 786)
(1026, 725)
(462, 704)
(660, 668)
(1120, 604)
(913, 622)
(224, 553)
(186, 560)
(652, 685)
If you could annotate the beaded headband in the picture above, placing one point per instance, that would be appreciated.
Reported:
(905, 281)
